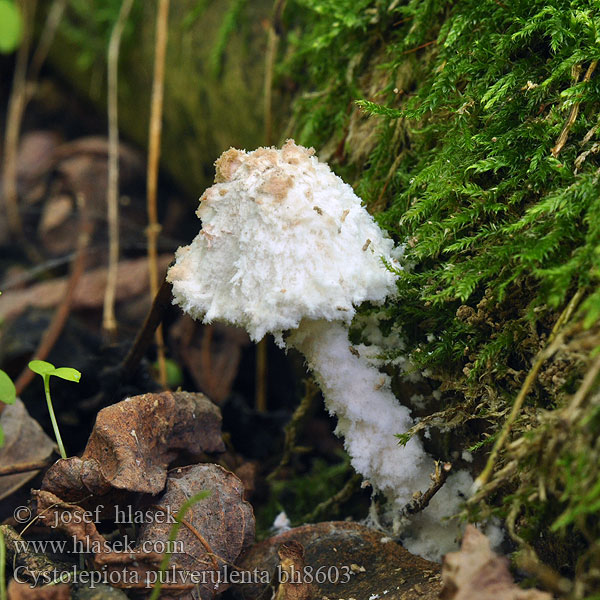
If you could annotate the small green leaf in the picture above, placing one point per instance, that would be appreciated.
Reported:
(1, 437)
(41, 367)
(67, 373)
(8, 394)
(11, 26)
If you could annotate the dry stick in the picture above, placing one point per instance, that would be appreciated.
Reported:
(438, 478)
(109, 322)
(61, 314)
(24, 467)
(564, 134)
(584, 388)
(417, 48)
(160, 304)
(14, 118)
(531, 376)
(272, 45)
(300, 416)
(156, 106)
(47, 37)
(17, 104)
(335, 501)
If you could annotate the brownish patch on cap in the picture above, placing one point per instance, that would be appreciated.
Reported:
(208, 196)
(277, 186)
(227, 164)
(293, 153)
(262, 159)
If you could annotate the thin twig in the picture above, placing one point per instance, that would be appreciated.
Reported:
(293, 428)
(260, 388)
(47, 36)
(24, 467)
(411, 50)
(109, 322)
(61, 314)
(156, 107)
(160, 304)
(531, 376)
(14, 118)
(333, 503)
(584, 388)
(273, 34)
(564, 134)
(438, 478)
(271, 53)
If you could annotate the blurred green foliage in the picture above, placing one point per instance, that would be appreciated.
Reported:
(11, 26)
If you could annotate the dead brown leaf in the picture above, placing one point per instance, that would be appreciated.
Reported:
(477, 573)
(211, 354)
(133, 565)
(215, 531)
(132, 281)
(134, 441)
(24, 441)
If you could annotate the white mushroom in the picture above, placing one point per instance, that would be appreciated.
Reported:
(286, 246)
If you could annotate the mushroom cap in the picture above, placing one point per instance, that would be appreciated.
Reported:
(282, 239)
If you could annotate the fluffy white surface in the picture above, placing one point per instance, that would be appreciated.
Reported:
(281, 523)
(368, 412)
(283, 238)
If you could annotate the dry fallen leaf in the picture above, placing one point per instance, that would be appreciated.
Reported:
(132, 281)
(134, 565)
(24, 441)
(134, 441)
(216, 531)
(211, 354)
(477, 573)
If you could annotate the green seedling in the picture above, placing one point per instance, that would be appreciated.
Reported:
(3, 595)
(46, 370)
(8, 395)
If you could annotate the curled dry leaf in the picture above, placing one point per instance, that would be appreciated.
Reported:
(81, 169)
(211, 354)
(214, 533)
(134, 441)
(132, 281)
(477, 573)
(24, 442)
(347, 560)
(216, 530)
(134, 565)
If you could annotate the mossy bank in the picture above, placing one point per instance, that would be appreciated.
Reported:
(471, 129)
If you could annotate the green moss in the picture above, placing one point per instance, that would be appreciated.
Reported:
(483, 159)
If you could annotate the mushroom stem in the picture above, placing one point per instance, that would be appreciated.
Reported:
(368, 412)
